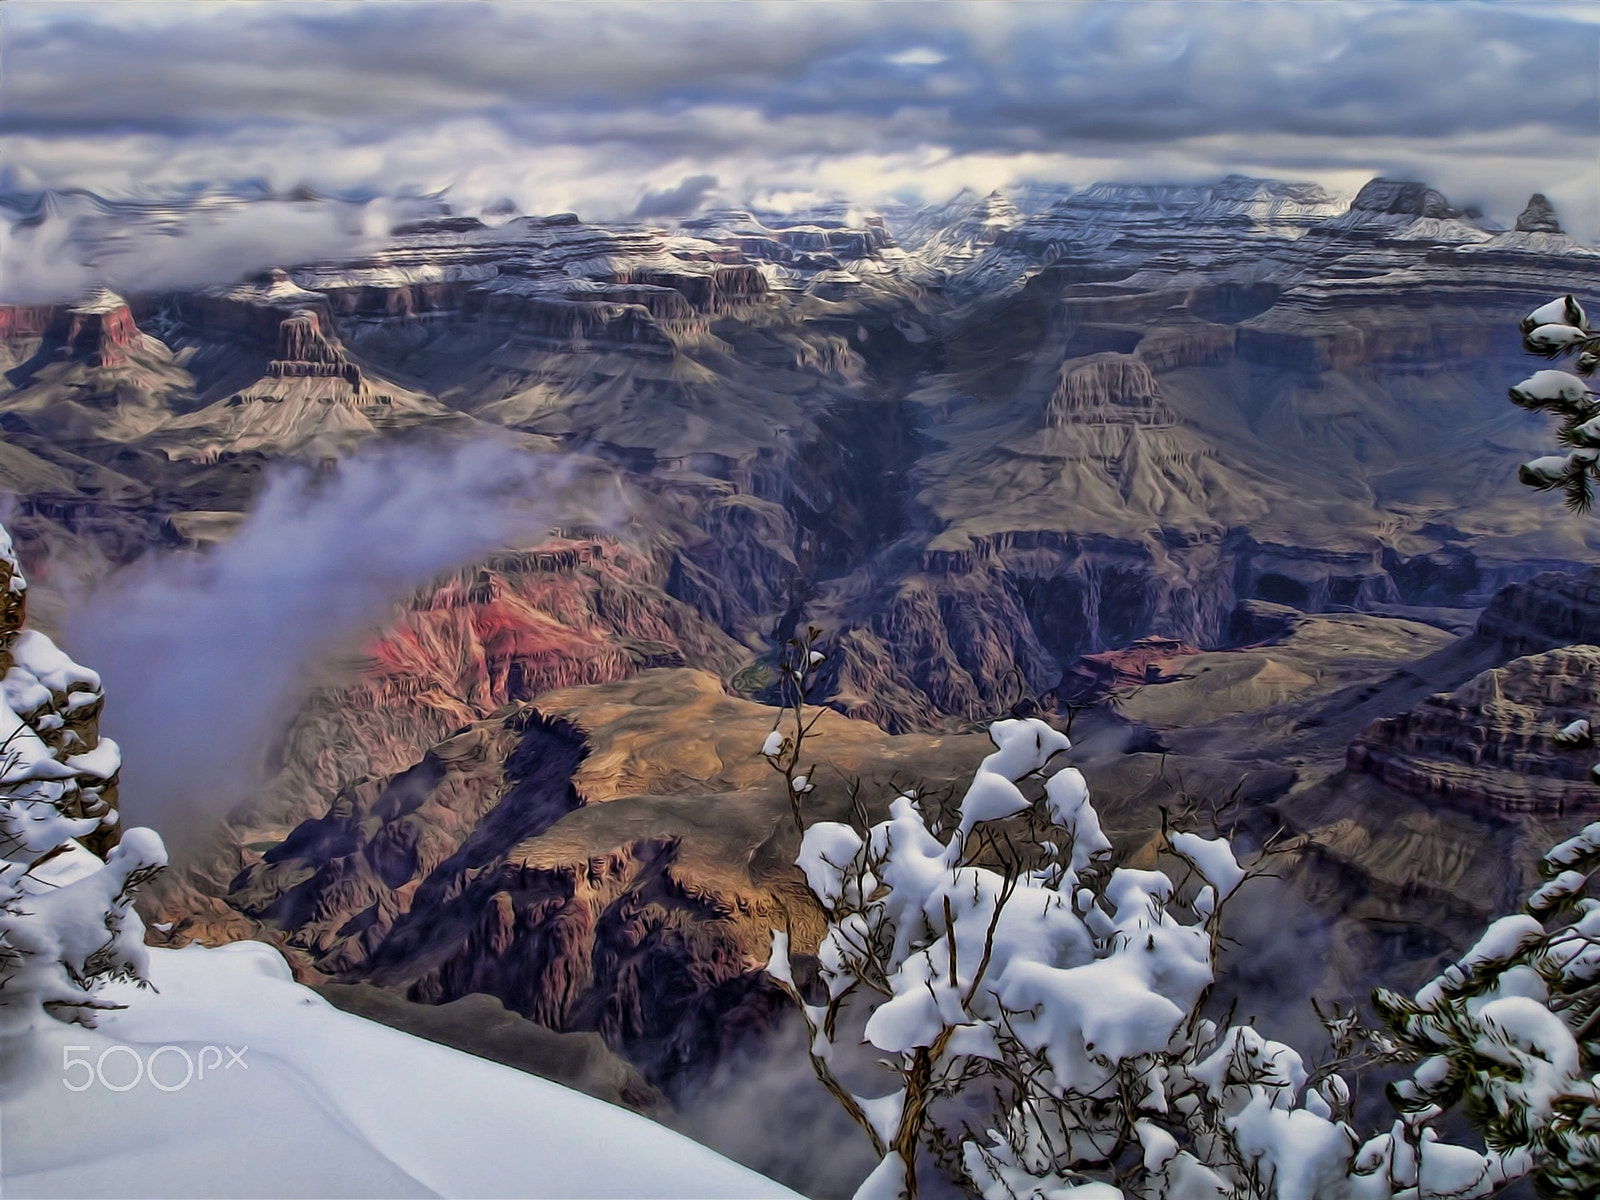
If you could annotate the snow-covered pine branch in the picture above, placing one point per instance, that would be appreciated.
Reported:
(1555, 330)
(67, 924)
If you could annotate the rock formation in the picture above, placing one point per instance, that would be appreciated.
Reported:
(99, 329)
(1145, 660)
(1538, 217)
(1402, 198)
(1106, 389)
(304, 350)
(1551, 609)
(518, 626)
(606, 858)
(1488, 744)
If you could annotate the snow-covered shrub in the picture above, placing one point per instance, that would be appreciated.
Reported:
(994, 962)
(67, 923)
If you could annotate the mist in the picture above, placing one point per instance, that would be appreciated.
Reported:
(61, 246)
(204, 656)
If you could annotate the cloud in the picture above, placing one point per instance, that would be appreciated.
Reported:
(218, 647)
(609, 109)
(676, 201)
(917, 56)
(64, 248)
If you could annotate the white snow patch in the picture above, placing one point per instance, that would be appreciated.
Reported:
(325, 1103)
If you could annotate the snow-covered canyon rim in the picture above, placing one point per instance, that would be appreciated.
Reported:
(304, 1100)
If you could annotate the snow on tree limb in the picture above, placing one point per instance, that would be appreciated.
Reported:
(67, 924)
(1070, 997)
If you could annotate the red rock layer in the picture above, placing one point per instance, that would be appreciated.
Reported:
(1146, 660)
(102, 336)
(570, 612)
(26, 320)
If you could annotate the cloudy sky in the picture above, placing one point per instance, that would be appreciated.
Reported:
(612, 109)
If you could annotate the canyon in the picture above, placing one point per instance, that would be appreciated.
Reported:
(1224, 475)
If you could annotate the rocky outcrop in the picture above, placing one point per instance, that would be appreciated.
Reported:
(1402, 198)
(1107, 388)
(1145, 660)
(1488, 744)
(100, 330)
(306, 351)
(1538, 217)
(1551, 609)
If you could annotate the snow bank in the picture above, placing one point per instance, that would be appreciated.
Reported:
(324, 1103)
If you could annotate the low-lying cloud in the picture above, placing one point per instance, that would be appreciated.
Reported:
(676, 201)
(204, 656)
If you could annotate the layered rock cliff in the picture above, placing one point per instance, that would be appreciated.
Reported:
(304, 350)
(1554, 608)
(496, 634)
(1104, 390)
(1489, 743)
(100, 330)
